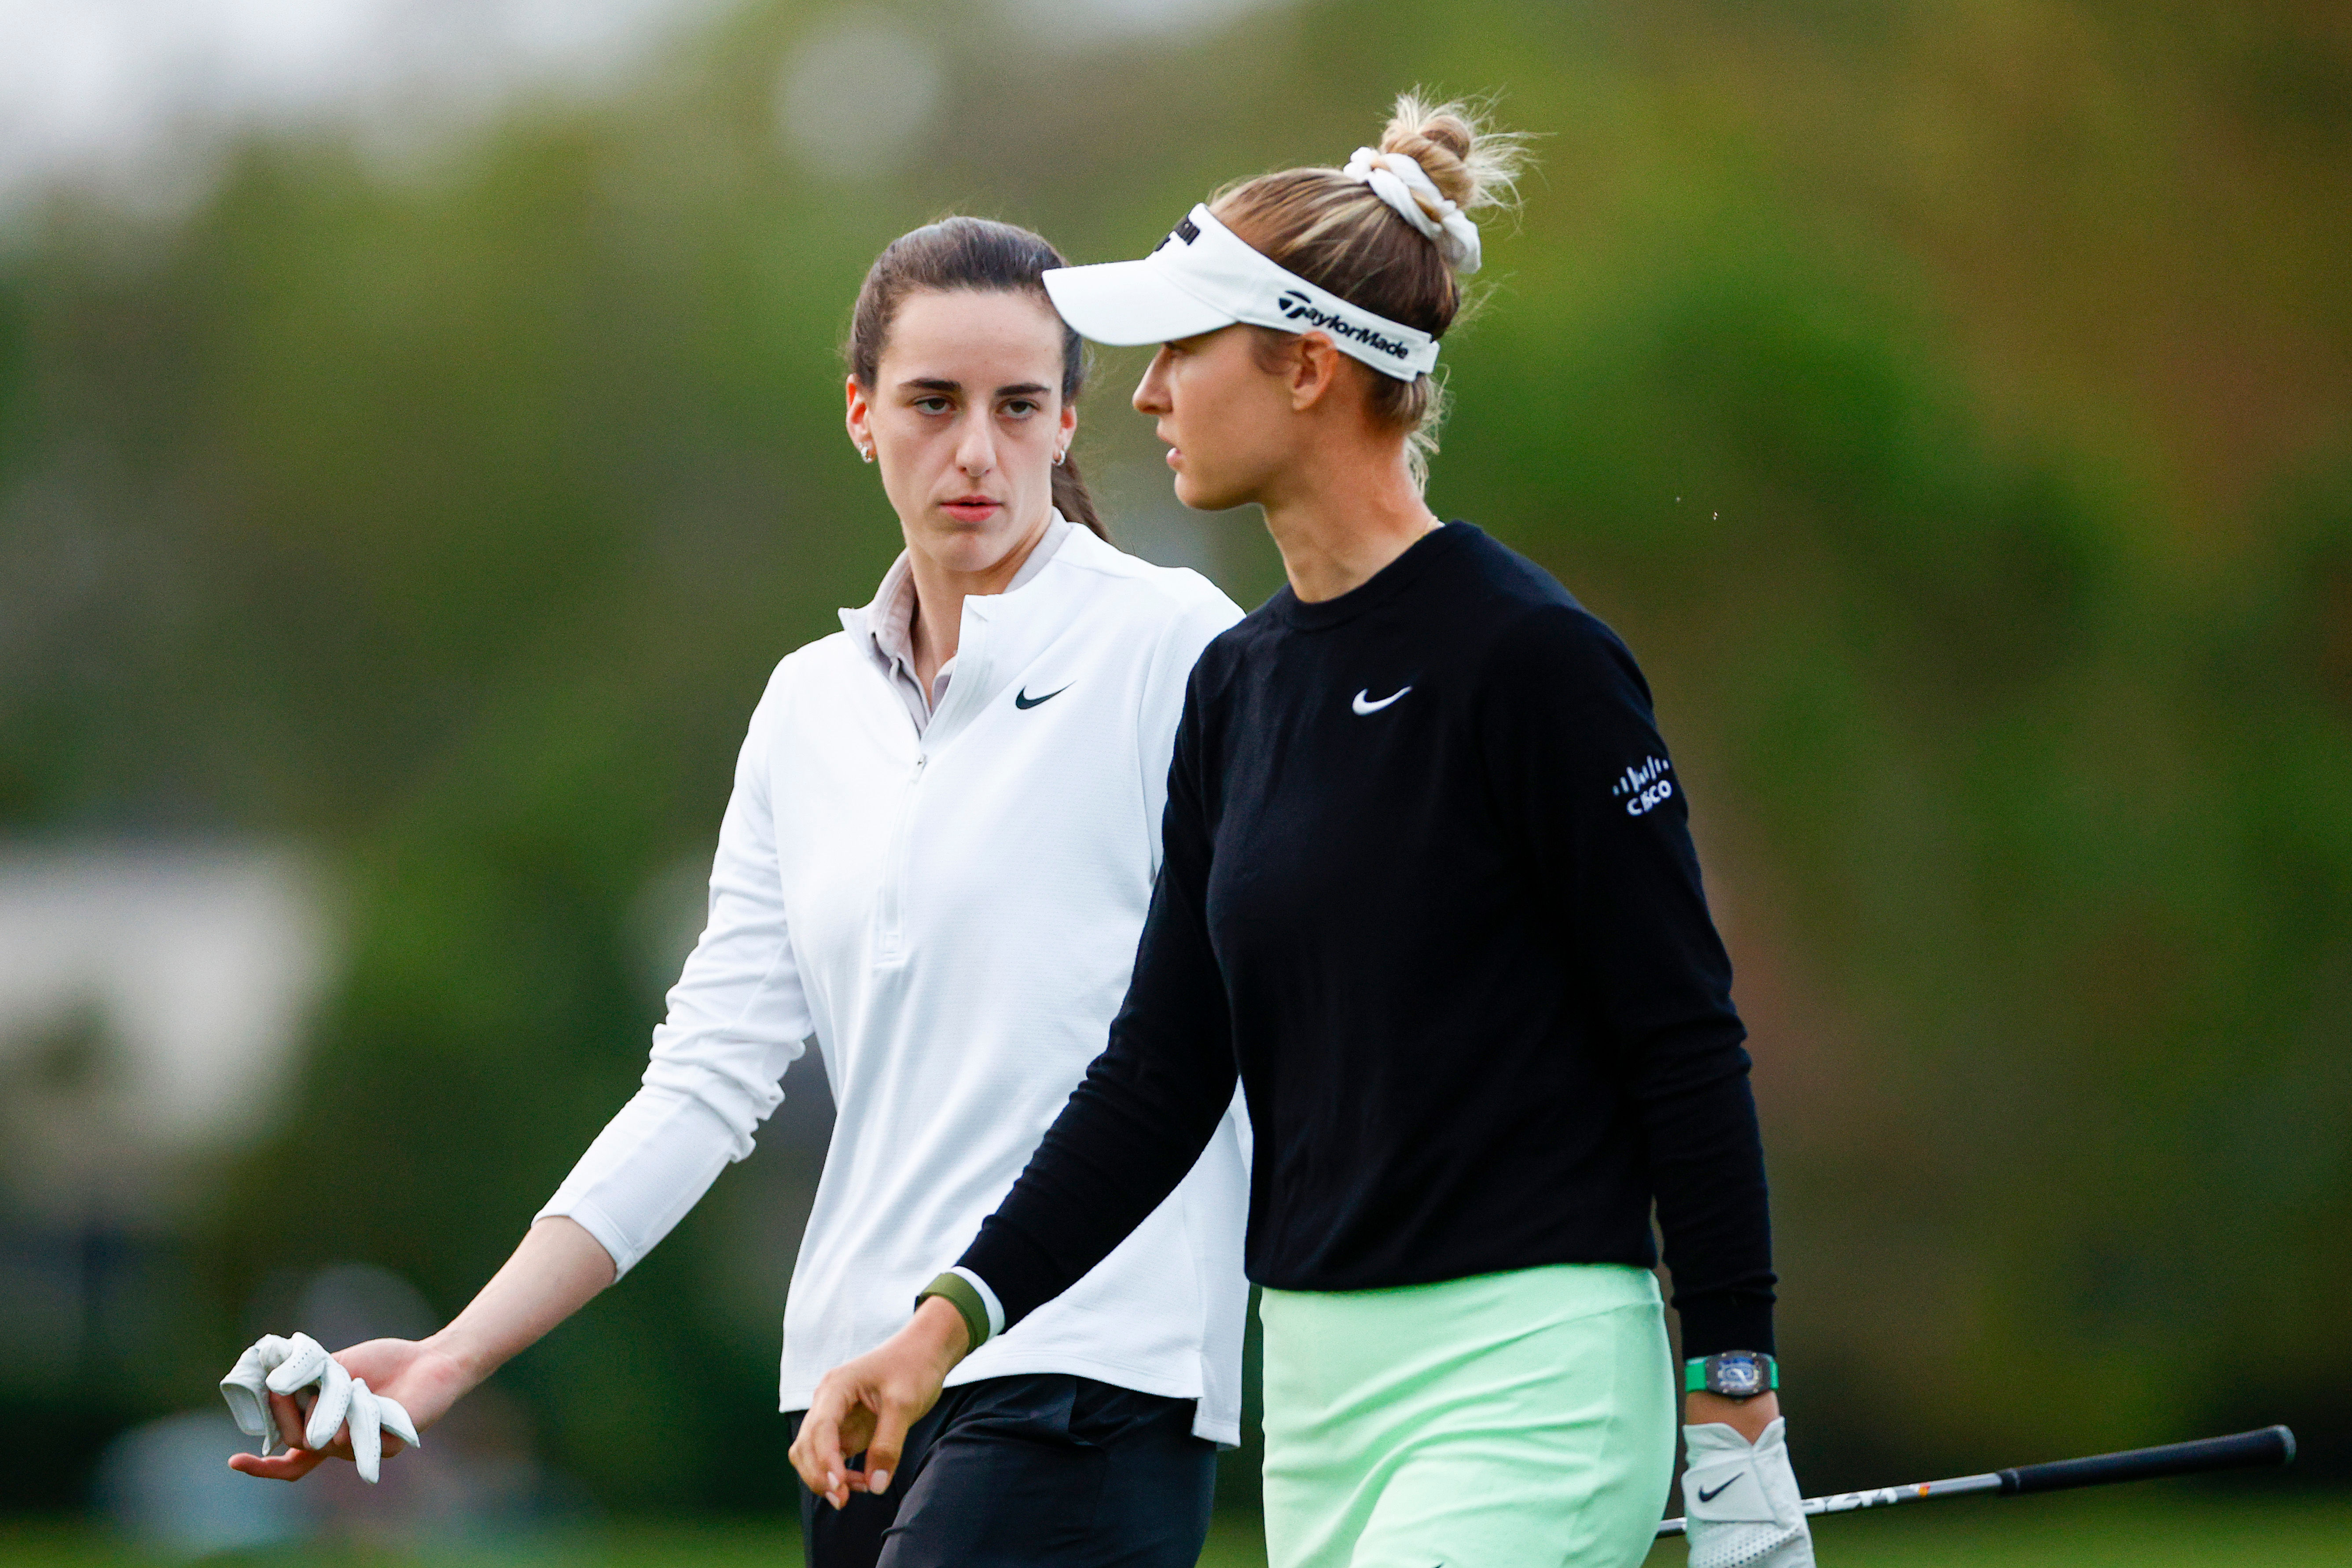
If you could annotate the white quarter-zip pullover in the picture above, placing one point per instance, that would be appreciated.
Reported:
(952, 912)
(890, 623)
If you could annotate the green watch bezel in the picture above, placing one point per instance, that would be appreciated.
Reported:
(1698, 1373)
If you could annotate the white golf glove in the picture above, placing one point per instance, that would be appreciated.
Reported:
(272, 1365)
(1740, 1500)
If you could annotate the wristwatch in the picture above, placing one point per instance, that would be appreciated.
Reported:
(1733, 1374)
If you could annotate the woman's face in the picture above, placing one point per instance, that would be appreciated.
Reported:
(964, 420)
(1228, 420)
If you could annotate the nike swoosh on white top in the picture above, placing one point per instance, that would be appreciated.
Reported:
(1362, 706)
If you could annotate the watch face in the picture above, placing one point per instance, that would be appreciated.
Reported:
(1738, 1377)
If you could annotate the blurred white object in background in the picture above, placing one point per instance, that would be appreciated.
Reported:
(137, 99)
(140, 102)
(151, 1000)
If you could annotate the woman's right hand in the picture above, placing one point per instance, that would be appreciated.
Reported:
(557, 1268)
(426, 1381)
(868, 1404)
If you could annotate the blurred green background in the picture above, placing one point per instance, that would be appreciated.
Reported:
(402, 506)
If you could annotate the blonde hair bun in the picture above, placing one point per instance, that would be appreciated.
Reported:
(1334, 229)
(1458, 148)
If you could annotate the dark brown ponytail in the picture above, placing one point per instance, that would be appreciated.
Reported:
(984, 255)
(1070, 495)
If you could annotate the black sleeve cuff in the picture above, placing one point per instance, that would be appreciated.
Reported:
(1022, 1276)
(1725, 1320)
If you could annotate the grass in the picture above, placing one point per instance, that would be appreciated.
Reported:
(2058, 1532)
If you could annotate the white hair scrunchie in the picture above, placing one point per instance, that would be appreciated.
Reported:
(1400, 180)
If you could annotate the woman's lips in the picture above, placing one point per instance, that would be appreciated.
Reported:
(1175, 455)
(972, 510)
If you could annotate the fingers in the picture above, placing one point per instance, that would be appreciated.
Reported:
(289, 1466)
(816, 1453)
(287, 1418)
(882, 1454)
(854, 1436)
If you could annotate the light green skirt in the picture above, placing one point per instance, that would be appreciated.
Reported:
(1503, 1421)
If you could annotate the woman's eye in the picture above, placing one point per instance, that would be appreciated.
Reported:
(931, 404)
(1020, 409)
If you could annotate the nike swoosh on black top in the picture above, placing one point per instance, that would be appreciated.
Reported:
(1022, 699)
(1705, 1496)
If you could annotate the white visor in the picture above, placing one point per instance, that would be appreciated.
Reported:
(1204, 276)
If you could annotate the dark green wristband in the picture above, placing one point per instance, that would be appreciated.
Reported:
(957, 1292)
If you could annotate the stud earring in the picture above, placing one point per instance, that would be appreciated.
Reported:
(1059, 455)
(866, 453)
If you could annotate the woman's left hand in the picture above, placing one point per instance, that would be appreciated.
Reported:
(1741, 1506)
(868, 1404)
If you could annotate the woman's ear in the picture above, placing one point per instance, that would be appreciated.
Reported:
(1314, 370)
(1069, 423)
(858, 417)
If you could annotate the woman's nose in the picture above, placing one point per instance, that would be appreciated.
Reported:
(1150, 392)
(976, 453)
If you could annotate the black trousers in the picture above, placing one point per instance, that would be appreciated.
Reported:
(1038, 1471)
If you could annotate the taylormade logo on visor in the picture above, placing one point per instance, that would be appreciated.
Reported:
(1203, 277)
(1297, 307)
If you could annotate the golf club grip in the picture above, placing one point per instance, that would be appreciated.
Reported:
(2243, 1450)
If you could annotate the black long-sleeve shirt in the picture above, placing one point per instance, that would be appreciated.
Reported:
(1429, 889)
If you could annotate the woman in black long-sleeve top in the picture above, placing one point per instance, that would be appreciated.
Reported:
(1429, 895)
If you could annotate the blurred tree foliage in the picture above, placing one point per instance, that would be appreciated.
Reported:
(1949, 402)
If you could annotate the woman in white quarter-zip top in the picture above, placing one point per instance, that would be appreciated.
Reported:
(937, 859)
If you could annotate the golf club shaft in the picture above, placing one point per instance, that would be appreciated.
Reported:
(2243, 1450)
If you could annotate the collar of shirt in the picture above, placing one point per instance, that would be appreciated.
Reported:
(890, 624)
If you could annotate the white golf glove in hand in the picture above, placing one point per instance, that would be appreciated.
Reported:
(272, 1365)
(1740, 1500)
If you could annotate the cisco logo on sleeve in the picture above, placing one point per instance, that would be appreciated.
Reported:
(1645, 786)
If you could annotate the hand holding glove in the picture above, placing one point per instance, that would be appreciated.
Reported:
(1740, 1500)
(282, 1366)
